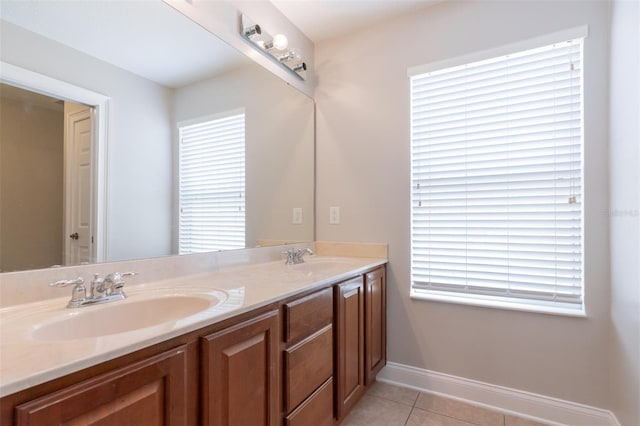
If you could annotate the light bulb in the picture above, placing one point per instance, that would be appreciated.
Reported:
(280, 42)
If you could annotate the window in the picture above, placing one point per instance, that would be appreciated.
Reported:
(212, 185)
(496, 175)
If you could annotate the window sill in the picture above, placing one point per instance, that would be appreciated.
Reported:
(499, 304)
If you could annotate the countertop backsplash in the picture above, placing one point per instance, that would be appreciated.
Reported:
(32, 286)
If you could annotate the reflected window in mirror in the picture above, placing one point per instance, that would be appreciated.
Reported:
(212, 183)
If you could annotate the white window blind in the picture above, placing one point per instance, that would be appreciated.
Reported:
(497, 180)
(212, 185)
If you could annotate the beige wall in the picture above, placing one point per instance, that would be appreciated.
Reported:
(31, 162)
(625, 211)
(362, 107)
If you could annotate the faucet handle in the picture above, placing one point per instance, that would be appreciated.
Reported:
(79, 293)
(291, 254)
(63, 283)
(117, 277)
(118, 281)
(299, 254)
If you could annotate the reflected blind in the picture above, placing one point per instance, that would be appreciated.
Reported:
(212, 185)
(496, 175)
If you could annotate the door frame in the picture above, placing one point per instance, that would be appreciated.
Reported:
(69, 190)
(29, 80)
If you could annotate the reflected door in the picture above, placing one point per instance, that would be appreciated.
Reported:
(78, 247)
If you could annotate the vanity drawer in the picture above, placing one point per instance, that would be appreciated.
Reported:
(307, 366)
(317, 410)
(308, 315)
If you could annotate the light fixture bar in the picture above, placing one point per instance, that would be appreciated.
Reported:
(275, 47)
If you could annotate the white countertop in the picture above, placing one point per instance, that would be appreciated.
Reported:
(28, 359)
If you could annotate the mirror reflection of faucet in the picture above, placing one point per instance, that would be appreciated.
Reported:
(102, 290)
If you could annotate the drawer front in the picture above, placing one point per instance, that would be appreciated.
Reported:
(308, 315)
(317, 410)
(307, 366)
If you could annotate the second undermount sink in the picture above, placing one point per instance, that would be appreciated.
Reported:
(315, 264)
(129, 315)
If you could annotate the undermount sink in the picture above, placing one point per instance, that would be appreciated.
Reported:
(124, 316)
(319, 264)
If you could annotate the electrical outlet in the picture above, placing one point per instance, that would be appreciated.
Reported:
(297, 215)
(334, 215)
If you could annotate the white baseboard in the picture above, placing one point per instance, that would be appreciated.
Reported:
(520, 403)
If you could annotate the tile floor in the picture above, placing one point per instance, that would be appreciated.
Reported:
(388, 405)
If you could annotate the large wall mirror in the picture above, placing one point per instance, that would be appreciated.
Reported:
(139, 134)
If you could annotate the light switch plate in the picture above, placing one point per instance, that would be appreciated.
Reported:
(297, 215)
(334, 215)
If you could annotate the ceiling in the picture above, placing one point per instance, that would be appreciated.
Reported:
(325, 19)
(148, 38)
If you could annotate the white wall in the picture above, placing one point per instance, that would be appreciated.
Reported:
(624, 211)
(139, 164)
(279, 146)
(362, 107)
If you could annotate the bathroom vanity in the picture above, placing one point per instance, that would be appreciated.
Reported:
(293, 345)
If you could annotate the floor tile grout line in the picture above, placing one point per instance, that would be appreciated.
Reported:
(409, 416)
(393, 400)
(450, 417)
(416, 399)
(414, 406)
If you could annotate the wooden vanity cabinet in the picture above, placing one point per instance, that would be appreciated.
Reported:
(349, 313)
(308, 360)
(240, 374)
(150, 392)
(375, 325)
(300, 361)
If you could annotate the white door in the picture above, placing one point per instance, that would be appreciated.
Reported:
(78, 229)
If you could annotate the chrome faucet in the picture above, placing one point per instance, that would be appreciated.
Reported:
(102, 290)
(296, 256)
(109, 286)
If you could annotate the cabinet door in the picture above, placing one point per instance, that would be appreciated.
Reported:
(349, 344)
(240, 370)
(149, 392)
(375, 353)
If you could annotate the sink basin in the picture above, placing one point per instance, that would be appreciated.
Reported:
(124, 316)
(320, 264)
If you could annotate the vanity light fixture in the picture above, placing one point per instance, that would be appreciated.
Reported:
(252, 30)
(300, 67)
(274, 47)
(290, 55)
(280, 42)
